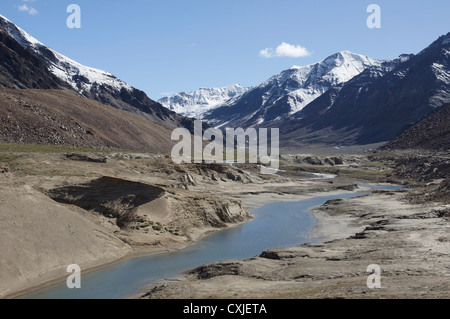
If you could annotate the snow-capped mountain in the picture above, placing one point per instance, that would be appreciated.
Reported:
(290, 91)
(94, 83)
(63, 67)
(378, 104)
(196, 103)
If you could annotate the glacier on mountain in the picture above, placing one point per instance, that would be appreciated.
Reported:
(196, 103)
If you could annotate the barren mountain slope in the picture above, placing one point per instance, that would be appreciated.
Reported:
(59, 117)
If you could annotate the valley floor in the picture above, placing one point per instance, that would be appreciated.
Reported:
(95, 208)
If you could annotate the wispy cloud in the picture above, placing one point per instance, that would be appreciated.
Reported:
(167, 94)
(285, 50)
(25, 8)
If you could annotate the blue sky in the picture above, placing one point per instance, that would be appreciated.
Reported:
(181, 45)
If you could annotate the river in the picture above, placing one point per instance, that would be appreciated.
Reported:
(282, 224)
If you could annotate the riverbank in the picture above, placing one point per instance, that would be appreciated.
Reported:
(253, 201)
(408, 241)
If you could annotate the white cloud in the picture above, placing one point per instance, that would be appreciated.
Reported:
(33, 11)
(266, 53)
(168, 94)
(25, 8)
(285, 50)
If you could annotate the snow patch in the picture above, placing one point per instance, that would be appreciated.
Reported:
(196, 103)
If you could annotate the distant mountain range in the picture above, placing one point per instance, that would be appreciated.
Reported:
(346, 99)
(196, 103)
(289, 92)
(378, 104)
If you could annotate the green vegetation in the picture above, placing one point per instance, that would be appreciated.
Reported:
(7, 158)
(369, 170)
(32, 148)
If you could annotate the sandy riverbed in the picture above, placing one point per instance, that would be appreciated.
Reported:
(409, 243)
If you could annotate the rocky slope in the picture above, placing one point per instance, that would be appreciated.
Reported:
(432, 133)
(142, 210)
(20, 69)
(58, 117)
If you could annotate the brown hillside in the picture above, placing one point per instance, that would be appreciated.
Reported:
(432, 133)
(56, 117)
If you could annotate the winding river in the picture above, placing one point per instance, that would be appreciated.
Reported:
(283, 224)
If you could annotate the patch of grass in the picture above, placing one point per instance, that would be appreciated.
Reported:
(372, 170)
(365, 173)
(32, 148)
(7, 158)
(312, 169)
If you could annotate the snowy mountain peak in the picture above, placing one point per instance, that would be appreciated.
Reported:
(18, 34)
(348, 59)
(195, 103)
(80, 77)
(290, 91)
(302, 85)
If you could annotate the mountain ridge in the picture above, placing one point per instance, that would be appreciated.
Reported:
(94, 83)
(289, 91)
(378, 104)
